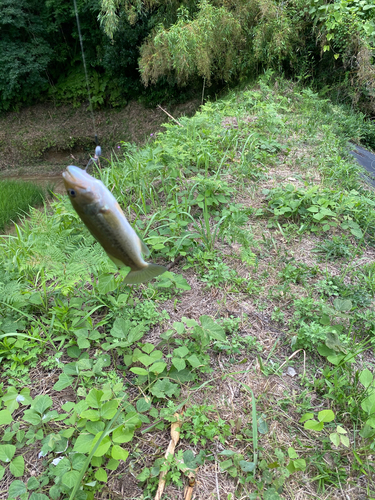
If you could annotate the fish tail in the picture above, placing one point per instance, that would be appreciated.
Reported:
(145, 274)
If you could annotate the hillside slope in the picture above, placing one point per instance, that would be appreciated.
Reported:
(259, 339)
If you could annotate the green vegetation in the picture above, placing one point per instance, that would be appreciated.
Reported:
(257, 343)
(16, 198)
(182, 49)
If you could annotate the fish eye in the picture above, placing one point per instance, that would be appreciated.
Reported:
(71, 193)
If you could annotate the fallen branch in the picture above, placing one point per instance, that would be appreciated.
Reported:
(170, 116)
(175, 436)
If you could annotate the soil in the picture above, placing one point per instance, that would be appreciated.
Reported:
(39, 141)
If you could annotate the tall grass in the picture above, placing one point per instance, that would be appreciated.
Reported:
(15, 199)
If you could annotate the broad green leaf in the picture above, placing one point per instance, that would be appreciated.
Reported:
(144, 475)
(108, 410)
(337, 358)
(368, 404)
(2, 472)
(139, 371)
(5, 417)
(17, 466)
(147, 360)
(226, 464)
(71, 368)
(17, 488)
(33, 483)
(292, 453)
(113, 464)
(342, 305)
(189, 322)
(103, 447)
(95, 427)
(290, 467)
(7, 452)
(32, 417)
(63, 382)
(212, 329)
(357, 232)
(181, 352)
(107, 283)
(227, 453)
(143, 405)
(119, 453)
(345, 440)
(148, 348)
(271, 494)
(163, 388)
(246, 466)
(182, 376)
(78, 461)
(12, 398)
(179, 363)
(341, 430)
(313, 425)
(262, 426)
(101, 475)
(194, 361)
(70, 478)
(179, 327)
(83, 443)
(83, 343)
(96, 461)
(335, 438)
(158, 368)
(306, 416)
(366, 378)
(73, 351)
(326, 416)
(120, 328)
(299, 464)
(122, 434)
(136, 334)
(41, 404)
(90, 414)
(38, 496)
(93, 398)
(333, 342)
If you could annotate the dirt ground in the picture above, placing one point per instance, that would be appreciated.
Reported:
(41, 140)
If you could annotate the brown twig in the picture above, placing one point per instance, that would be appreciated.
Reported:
(175, 436)
(170, 116)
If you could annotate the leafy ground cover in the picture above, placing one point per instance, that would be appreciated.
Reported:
(16, 197)
(258, 341)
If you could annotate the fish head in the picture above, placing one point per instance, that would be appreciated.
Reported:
(83, 190)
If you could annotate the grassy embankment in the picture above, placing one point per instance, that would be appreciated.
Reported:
(15, 199)
(260, 336)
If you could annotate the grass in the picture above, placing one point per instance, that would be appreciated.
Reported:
(16, 198)
(259, 338)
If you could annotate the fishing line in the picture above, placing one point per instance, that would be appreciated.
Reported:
(98, 149)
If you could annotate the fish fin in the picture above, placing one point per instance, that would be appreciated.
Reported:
(145, 274)
(117, 262)
(144, 249)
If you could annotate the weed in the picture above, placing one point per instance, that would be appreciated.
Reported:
(335, 248)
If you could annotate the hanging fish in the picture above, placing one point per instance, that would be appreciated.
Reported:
(105, 220)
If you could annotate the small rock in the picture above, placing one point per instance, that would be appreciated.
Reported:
(291, 372)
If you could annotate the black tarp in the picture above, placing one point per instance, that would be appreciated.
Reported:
(367, 160)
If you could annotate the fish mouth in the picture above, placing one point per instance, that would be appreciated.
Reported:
(71, 179)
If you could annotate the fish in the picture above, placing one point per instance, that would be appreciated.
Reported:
(103, 217)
